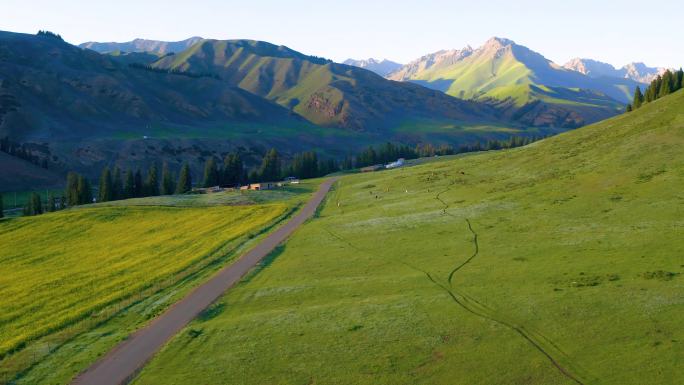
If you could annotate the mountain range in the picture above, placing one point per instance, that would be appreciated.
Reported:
(142, 45)
(638, 72)
(79, 110)
(132, 103)
(524, 84)
(381, 67)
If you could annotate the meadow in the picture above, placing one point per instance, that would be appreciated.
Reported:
(77, 281)
(556, 263)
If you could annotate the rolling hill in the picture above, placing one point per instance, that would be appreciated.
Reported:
(480, 269)
(323, 92)
(81, 110)
(520, 81)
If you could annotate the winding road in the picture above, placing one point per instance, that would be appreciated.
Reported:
(123, 362)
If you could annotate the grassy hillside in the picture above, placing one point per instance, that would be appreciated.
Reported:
(504, 71)
(82, 111)
(323, 92)
(556, 263)
(78, 281)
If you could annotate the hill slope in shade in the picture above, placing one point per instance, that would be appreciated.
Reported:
(18, 175)
(381, 67)
(521, 82)
(482, 269)
(84, 110)
(323, 92)
(142, 45)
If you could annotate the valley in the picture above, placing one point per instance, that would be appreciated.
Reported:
(461, 269)
(289, 193)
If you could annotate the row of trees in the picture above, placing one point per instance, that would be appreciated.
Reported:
(49, 34)
(116, 184)
(119, 185)
(661, 86)
(174, 71)
(390, 152)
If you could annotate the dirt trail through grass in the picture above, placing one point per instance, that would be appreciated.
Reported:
(477, 308)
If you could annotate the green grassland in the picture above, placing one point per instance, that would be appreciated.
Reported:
(556, 263)
(78, 281)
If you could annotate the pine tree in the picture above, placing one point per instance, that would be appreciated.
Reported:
(129, 185)
(628, 108)
(680, 80)
(152, 182)
(33, 206)
(71, 192)
(270, 166)
(638, 98)
(2, 207)
(105, 191)
(85, 193)
(117, 185)
(211, 174)
(184, 180)
(666, 85)
(51, 203)
(139, 190)
(168, 185)
(233, 170)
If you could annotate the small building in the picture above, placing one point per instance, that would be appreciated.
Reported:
(372, 168)
(260, 186)
(292, 180)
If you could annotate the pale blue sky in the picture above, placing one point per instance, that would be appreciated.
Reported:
(397, 29)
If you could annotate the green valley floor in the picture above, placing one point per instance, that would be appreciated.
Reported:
(556, 263)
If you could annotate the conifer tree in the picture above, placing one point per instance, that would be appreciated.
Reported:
(152, 182)
(139, 189)
(33, 206)
(628, 108)
(129, 185)
(680, 80)
(117, 184)
(168, 185)
(211, 174)
(105, 191)
(270, 166)
(638, 98)
(666, 84)
(184, 180)
(71, 192)
(51, 203)
(233, 170)
(85, 193)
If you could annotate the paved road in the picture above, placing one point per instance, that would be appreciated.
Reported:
(123, 362)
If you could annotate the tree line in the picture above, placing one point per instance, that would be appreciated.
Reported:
(49, 34)
(661, 86)
(174, 71)
(389, 152)
(115, 184)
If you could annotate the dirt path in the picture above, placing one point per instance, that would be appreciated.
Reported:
(124, 361)
(535, 338)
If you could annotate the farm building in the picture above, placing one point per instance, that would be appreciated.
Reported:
(259, 186)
